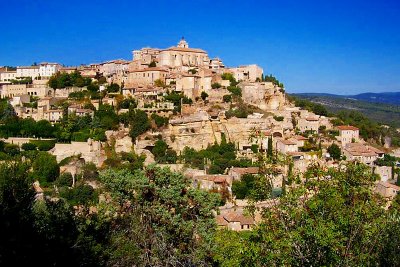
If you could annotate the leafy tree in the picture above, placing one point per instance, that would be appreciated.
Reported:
(241, 189)
(45, 168)
(229, 76)
(93, 88)
(269, 148)
(65, 179)
(82, 194)
(334, 151)
(159, 120)
(152, 64)
(166, 219)
(102, 80)
(236, 91)
(106, 118)
(278, 118)
(139, 123)
(113, 88)
(332, 221)
(127, 103)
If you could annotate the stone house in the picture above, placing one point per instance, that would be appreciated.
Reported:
(300, 140)
(384, 172)
(387, 190)
(309, 123)
(362, 153)
(212, 182)
(348, 134)
(146, 76)
(286, 146)
(235, 220)
(236, 173)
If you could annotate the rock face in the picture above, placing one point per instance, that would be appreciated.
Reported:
(200, 130)
(264, 95)
(123, 142)
(90, 151)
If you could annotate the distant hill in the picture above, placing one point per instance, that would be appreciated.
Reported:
(392, 98)
(381, 107)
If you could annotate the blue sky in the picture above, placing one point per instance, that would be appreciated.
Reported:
(335, 46)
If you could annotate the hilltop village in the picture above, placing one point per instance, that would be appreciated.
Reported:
(178, 108)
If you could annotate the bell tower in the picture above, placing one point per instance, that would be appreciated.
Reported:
(183, 44)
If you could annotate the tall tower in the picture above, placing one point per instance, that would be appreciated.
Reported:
(183, 44)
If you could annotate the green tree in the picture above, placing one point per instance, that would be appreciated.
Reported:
(334, 219)
(165, 214)
(65, 179)
(139, 123)
(269, 148)
(45, 168)
(334, 151)
(113, 88)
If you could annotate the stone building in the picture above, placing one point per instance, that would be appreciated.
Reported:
(235, 221)
(387, 190)
(147, 76)
(309, 123)
(362, 153)
(6, 76)
(175, 56)
(348, 134)
(247, 73)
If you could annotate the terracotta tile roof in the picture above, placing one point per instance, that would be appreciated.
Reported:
(347, 127)
(182, 49)
(312, 119)
(221, 220)
(300, 138)
(357, 149)
(288, 142)
(214, 178)
(248, 170)
(149, 69)
(238, 217)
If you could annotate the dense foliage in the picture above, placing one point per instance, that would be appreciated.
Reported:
(215, 158)
(63, 79)
(334, 219)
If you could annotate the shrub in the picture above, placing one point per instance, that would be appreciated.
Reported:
(28, 146)
(65, 179)
(44, 145)
(215, 85)
(227, 98)
(11, 149)
(278, 118)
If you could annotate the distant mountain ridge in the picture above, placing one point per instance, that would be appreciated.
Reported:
(392, 98)
(381, 107)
